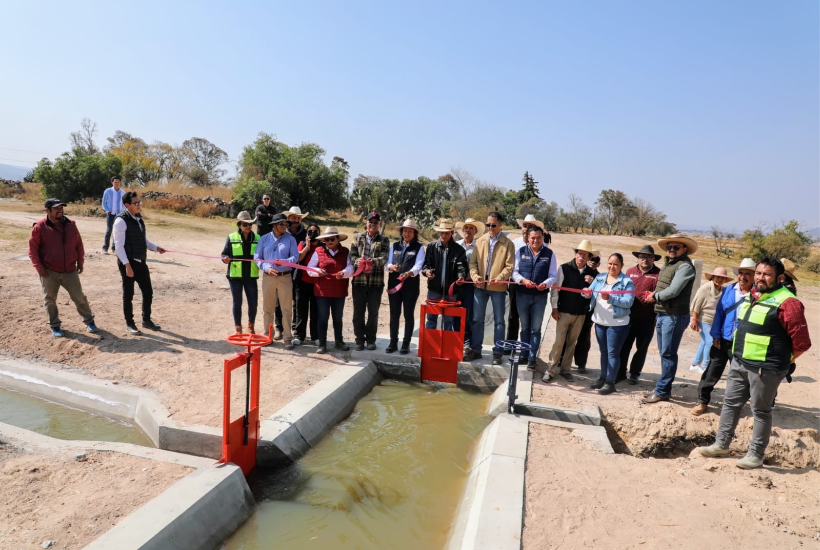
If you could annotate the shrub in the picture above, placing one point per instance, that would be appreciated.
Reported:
(813, 263)
(248, 192)
(75, 176)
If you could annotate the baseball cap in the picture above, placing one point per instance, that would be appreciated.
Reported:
(51, 203)
(373, 216)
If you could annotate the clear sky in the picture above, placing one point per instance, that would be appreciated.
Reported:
(708, 109)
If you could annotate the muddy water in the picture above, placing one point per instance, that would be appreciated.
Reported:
(61, 422)
(389, 476)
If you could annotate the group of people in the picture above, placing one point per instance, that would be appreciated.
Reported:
(755, 324)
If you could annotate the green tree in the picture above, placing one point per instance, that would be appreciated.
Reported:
(76, 175)
(248, 192)
(530, 189)
(612, 208)
(299, 172)
(203, 162)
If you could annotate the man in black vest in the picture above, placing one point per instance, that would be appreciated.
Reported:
(569, 309)
(445, 263)
(131, 246)
(671, 298)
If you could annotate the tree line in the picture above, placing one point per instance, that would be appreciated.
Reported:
(299, 175)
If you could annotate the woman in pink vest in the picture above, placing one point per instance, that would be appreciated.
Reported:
(332, 270)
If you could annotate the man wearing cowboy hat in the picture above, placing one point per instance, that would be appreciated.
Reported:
(404, 262)
(57, 253)
(569, 309)
(332, 260)
(642, 316)
(471, 230)
(368, 286)
(277, 282)
(492, 260)
(723, 330)
(584, 338)
(771, 334)
(300, 299)
(513, 320)
(671, 298)
(445, 263)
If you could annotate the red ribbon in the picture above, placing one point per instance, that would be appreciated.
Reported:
(398, 286)
(564, 288)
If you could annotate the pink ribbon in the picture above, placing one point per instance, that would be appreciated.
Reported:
(564, 288)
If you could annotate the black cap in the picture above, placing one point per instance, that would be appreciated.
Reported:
(51, 203)
(278, 218)
(373, 216)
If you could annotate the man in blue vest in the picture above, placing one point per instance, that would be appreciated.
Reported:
(535, 270)
(131, 246)
(771, 334)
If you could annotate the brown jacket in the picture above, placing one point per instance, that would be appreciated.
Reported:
(501, 266)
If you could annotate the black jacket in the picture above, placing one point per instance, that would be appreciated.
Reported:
(457, 265)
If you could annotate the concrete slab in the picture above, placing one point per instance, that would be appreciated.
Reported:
(401, 367)
(591, 415)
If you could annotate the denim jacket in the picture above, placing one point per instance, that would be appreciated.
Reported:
(621, 303)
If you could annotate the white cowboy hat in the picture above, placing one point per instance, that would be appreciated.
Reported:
(530, 219)
(747, 264)
(479, 227)
(295, 211)
(584, 246)
(245, 217)
(691, 245)
(409, 223)
(790, 267)
(444, 224)
(595, 254)
(331, 231)
(719, 272)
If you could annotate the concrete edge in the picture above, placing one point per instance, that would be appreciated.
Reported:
(590, 415)
(298, 426)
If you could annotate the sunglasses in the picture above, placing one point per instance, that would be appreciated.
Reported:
(491, 225)
(246, 224)
(332, 239)
(673, 247)
(265, 198)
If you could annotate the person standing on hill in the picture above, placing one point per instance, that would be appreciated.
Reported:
(131, 246)
(112, 204)
(56, 252)
(671, 299)
(771, 334)
(642, 314)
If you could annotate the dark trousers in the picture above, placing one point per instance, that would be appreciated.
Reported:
(304, 310)
(466, 295)
(143, 278)
(718, 358)
(641, 332)
(403, 300)
(109, 226)
(513, 325)
(366, 303)
(251, 290)
(325, 308)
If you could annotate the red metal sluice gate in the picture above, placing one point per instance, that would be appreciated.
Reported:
(240, 436)
(441, 350)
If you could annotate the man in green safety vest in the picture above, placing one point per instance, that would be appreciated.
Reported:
(771, 334)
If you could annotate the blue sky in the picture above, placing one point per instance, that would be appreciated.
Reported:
(707, 109)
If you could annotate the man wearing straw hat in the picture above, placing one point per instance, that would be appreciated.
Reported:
(513, 319)
(332, 260)
(771, 334)
(471, 230)
(445, 263)
(671, 299)
(723, 331)
(642, 315)
(368, 286)
(569, 309)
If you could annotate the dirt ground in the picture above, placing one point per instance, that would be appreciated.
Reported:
(182, 364)
(53, 496)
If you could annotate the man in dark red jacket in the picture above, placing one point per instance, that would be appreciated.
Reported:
(56, 251)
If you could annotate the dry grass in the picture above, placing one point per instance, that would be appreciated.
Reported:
(179, 188)
(32, 192)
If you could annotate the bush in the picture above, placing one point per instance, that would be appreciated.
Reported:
(813, 264)
(75, 176)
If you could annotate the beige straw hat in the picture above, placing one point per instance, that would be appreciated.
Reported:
(530, 219)
(479, 227)
(444, 224)
(245, 217)
(295, 211)
(790, 267)
(691, 245)
(331, 231)
(719, 272)
(747, 264)
(409, 223)
(584, 246)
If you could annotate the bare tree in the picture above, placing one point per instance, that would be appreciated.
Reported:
(204, 161)
(84, 139)
(578, 215)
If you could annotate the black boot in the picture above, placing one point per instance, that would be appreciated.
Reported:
(405, 348)
(608, 388)
(598, 384)
(393, 346)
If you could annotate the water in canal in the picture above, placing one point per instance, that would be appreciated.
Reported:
(389, 476)
(61, 422)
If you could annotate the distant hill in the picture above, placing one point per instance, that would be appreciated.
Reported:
(11, 172)
(814, 233)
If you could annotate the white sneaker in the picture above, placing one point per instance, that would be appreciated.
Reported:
(296, 342)
(317, 342)
(548, 378)
(697, 368)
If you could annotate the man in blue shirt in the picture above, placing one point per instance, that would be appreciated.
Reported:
(723, 329)
(112, 204)
(277, 282)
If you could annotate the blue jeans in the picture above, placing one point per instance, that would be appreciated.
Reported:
(251, 292)
(449, 323)
(610, 341)
(327, 306)
(479, 308)
(669, 330)
(702, 356)
(531, 308)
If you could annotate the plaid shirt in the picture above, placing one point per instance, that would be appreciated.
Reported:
(377, 251)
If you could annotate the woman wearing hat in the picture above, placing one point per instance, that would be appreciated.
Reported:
(703, 313)
(242, 271)
(471, 230)
(404, 262)
(332, 260)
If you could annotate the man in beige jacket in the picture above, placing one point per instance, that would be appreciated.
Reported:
(492, 260)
